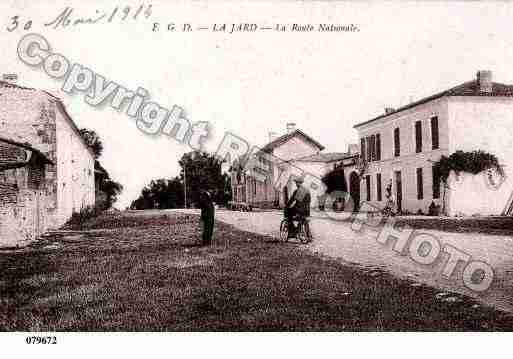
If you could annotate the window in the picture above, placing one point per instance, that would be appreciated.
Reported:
(373, 147)
(369, 149)
(368, 185)
(420, 184)
(436, 183)
(378, 147)
(362, 150)
(36, 173)
(397, 143)
(418, 136)
(378, 186)
(434, 133)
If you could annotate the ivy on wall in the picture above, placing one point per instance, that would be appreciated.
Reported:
(472, 162)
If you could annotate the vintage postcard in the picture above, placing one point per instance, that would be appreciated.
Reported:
(255, 166)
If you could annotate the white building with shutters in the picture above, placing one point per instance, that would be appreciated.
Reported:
(402, 145)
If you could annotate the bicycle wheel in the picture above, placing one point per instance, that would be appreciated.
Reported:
(284, 230)
(304, 234)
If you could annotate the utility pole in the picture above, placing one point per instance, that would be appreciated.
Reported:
(192, 157)
(184, 187)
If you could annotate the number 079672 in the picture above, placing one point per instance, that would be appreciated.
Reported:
(41, 340)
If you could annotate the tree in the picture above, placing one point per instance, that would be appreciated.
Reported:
(335, 180)
(109, 187)
(200, 170)
(112, 189)
(203, 171)
(227, 193)
(336, 187)
(160, 194)
(92, 139)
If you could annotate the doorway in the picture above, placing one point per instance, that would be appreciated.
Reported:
(354, 190)
(399, 191)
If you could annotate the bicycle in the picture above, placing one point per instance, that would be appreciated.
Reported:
(303, 232)
(388, 211)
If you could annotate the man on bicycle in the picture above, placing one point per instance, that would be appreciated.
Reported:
(297, 206)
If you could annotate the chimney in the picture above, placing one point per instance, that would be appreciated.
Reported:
(353, 148)
(389, 110)
(10, 77)
(484, 81)
(272, 136)
(291, 127)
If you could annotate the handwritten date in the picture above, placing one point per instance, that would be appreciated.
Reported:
(70, 17)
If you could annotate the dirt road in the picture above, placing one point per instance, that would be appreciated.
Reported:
(337, 239)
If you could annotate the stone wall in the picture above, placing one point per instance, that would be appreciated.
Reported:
(50, 194)
(23, 214)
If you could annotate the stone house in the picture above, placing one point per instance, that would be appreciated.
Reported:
(22, 195)
(39, 121)
(402, 145)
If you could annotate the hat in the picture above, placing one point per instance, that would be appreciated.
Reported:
(299, 179)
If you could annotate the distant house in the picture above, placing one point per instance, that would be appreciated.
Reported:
(401, 146)
(296, 152)
(37, 123)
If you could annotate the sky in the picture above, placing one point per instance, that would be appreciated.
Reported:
(252, 83)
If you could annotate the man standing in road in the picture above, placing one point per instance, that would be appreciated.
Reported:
(298, 205)
(207, 216)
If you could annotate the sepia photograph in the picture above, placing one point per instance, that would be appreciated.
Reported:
(295, 168)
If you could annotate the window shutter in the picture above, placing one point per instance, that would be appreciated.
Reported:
(434, 133)
(368, 185)
(420, 184)
(369, 149)
(378, 186)
(373, 147)
(362, 150)
(418, 136)
(378, 147)
(397, 143)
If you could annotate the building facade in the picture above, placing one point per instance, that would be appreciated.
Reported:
(283, 158)
(402, 145)
(22, 200)
(39, 120)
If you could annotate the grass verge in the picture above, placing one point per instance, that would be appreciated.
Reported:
(133, 273)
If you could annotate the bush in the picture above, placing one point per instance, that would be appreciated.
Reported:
(335, 180)
(79, 219)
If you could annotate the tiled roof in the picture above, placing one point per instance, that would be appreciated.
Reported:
(470, 88)
(282, 139)
(326, 157)
(26, 146)
(11, 85)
